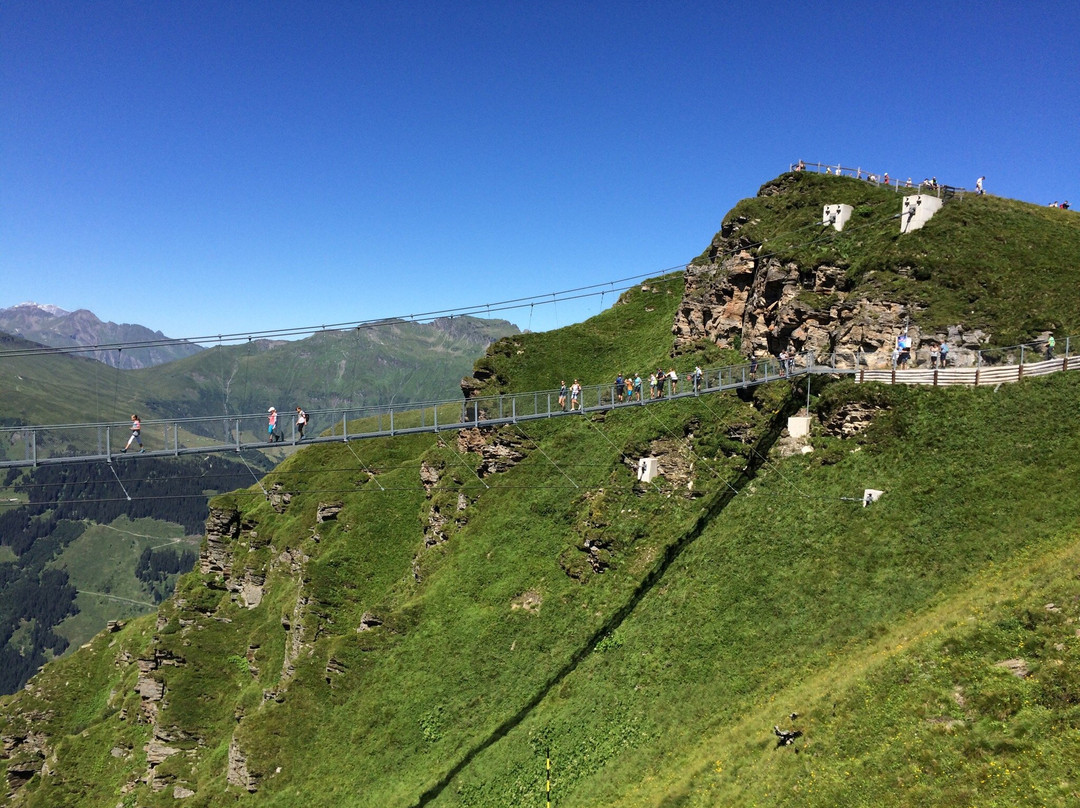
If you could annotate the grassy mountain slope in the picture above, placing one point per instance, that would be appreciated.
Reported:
(633, 336)
(476, 608)
(788, 599)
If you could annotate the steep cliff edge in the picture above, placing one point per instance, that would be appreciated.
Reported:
(775, 278)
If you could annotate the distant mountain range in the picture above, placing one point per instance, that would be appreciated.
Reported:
(57, 328)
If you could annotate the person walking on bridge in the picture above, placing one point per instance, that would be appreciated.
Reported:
(301, 422)
(271, 425)
(136, 428)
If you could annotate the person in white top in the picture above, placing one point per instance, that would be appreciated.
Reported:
(136, 428)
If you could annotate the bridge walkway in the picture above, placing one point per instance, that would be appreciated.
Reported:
(60, 444)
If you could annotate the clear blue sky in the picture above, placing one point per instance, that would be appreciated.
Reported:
(214, 167)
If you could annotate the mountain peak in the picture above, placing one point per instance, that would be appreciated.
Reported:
(47, 308)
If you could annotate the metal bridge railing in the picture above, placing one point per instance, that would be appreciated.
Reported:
(46, 444)
(907, 186)
(28, 445)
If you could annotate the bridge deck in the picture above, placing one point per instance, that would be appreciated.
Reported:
(59, 444)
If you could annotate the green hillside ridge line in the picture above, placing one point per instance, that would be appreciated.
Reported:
(713, 508)
(652, 679)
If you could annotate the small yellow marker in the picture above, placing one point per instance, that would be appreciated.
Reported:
(549, 780)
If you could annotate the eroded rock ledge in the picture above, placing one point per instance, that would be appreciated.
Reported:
(761, 306)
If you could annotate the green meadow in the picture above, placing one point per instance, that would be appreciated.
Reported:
(442, 625)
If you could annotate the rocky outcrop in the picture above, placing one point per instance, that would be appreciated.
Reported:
(368, 621)
(26, 754)
(328, 511)
(499, 451)
(761, 306)
(429, 476)
(249, 588)
(674, 460)
(527, 601)
(435, 528)
(157, 752)
(163, 740)
(279, 497)
(222, 530)
(293, 624)
(237, 773)
(150, 688)
(851, 419)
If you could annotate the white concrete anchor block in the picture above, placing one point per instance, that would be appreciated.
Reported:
(871, 495)
(798, 426)
(647, 468)
(916, 211)
(836, 215)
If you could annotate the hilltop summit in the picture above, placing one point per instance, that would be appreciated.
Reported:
(985, 270)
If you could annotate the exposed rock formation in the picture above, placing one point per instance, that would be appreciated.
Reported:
(222, 529)
(279, 498)
(237, 773)
(429, 476)
(26, 755)
(368, 621)
(498, 450)
(151, 690)
(850, 419)
(249, 589)
(328, 511)
(761, 306)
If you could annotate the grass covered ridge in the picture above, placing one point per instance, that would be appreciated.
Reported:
(1007, 267)
(882, 627)
(433, 646)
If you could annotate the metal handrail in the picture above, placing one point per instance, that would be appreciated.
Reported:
(859, 173)
(58, 443)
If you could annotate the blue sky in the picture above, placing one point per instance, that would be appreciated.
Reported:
(220, 167)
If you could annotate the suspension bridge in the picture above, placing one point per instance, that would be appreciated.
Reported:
(56, 444)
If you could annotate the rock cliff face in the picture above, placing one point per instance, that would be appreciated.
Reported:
(762, 306)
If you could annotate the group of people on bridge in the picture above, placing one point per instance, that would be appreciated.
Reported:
(901, 356)
(275, 434)
(629, 387)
